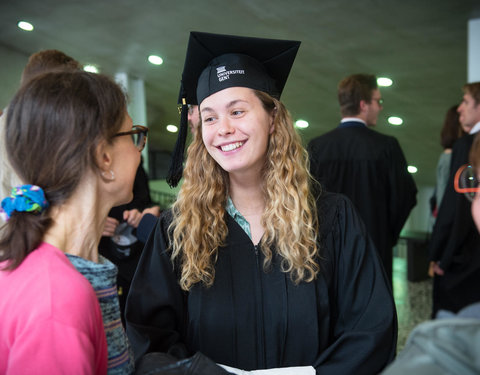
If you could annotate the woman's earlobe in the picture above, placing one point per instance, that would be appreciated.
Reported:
(108, 175)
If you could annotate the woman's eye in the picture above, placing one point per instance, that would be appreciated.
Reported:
(237, 112)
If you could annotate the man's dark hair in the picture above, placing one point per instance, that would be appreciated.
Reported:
(474, 90)
(353, 89)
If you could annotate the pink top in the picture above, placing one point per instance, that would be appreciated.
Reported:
(50, 318)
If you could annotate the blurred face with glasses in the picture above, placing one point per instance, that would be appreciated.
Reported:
(467, 183)
(193, 118)
(469, 112)
(125, 155)
(373, 108)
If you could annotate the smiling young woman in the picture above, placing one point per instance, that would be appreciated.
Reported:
(252, 266)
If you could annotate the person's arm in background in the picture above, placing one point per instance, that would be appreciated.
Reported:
(441, 240)
(144, 222)
(110, 226)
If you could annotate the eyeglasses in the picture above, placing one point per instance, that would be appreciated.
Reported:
(466, 182)
(379, 101)
(139, 136)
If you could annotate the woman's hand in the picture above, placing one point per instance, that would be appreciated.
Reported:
(132, 217)
(109, 228)
(434, 269)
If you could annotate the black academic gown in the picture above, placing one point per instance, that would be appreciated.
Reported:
(369, 168)
(344, 322)
(127, 264)
(455, 242)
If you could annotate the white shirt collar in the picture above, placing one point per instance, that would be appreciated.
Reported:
(475, 128)
(346, 119)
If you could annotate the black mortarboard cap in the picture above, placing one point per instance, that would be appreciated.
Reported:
(215, 62)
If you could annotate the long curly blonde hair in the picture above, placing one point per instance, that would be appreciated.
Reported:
(290, 221)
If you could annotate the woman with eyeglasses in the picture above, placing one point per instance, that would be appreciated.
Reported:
(449, 343)
(455, 241)
(473, 181)
(70, 139)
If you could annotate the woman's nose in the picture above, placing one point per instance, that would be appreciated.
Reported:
(225, 127)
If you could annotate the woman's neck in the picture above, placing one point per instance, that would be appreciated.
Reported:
(249, 200)
(247, 196)
(78, 223)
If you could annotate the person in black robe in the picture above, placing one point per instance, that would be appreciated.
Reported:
(449, 344)
(248, 267)
(367, 166)
(123, 245)
(455, 242)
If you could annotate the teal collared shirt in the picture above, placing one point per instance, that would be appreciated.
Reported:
(237, 216)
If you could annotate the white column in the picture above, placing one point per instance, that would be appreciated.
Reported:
(473, 63)
(137, 107)
(122, 79)
(138, 110)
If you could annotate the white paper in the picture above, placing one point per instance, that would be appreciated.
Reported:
(299, 370)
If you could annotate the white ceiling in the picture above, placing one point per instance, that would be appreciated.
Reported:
(421, 45)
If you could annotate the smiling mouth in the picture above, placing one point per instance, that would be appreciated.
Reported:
(231, 146)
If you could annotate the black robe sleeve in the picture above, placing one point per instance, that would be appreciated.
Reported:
(364, 320)
(155, 305)
(402, 190)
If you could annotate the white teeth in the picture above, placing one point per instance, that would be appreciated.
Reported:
(231, 146)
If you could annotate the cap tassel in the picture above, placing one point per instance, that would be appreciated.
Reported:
(176, 166)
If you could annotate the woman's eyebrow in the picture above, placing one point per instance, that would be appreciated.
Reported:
(229, 105)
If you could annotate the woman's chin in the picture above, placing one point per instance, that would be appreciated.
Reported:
(124, 200)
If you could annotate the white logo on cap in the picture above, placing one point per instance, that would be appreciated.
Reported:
(224, 74)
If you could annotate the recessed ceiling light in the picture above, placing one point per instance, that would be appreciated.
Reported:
(24, 25)
(172, 128)
(384, 81)
(90, 68)
(155, 60)
(394, 120)
(412, 169)
(302, 124)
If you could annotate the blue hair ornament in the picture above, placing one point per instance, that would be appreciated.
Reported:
(24, 198)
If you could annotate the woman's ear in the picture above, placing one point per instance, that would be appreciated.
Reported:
(273, 114)
(103, 155)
